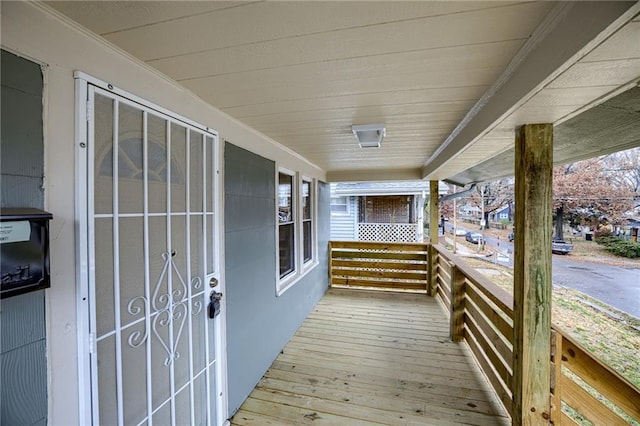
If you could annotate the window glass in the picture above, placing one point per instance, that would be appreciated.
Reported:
(286, 224)
(339, 205)
(285, 201)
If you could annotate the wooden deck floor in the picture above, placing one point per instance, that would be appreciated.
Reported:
(365, 358)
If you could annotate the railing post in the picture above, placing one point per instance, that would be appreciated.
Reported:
(330, 264)
(556, 375)
(432, 270)
(457, 304)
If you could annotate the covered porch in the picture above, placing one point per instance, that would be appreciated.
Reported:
(273, 91)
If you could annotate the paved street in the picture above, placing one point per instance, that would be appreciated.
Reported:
(617, 286)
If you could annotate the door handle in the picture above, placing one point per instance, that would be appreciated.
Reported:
(214, 304)
(213, 282)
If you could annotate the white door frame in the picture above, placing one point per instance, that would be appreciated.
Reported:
(84, 248)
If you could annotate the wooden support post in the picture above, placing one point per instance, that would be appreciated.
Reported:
(434, 208)
(457, 304)
(434, 220)
(532, 275)
(432, 270)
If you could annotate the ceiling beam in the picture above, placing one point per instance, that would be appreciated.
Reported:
(568, 32)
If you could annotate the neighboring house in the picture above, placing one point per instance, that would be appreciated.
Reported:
(470, 211)
(379, 211)
(634, 229)
(502, 214)
(634, 224)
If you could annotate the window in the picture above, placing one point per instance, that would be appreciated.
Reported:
(286, 224)
(386, 209)
(339, 205)
(296, 227)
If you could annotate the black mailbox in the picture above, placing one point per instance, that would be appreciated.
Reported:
(24, 250)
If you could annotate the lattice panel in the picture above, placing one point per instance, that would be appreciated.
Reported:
(387, 232)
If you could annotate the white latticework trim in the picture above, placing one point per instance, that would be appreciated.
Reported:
(387, 232)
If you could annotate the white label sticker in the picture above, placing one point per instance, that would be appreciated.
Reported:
(14, 232)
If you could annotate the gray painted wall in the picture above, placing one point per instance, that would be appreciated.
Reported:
(23, 364)
(22, 148)
(259, 324)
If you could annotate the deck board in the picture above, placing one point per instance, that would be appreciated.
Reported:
(365, 358)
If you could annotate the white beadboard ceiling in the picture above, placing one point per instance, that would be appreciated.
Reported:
(450, 80)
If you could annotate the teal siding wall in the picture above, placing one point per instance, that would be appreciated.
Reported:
(259, 324)
(23, 364)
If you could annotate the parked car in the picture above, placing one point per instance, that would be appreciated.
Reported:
(559, 246)
(511, 237)
(460, 232)
(474, 237)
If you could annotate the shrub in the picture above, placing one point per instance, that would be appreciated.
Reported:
(606, 240)
(624, 248)
(617, 246)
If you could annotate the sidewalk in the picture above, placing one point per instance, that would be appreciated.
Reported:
(489, 252)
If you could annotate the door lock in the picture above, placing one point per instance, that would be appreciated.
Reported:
(213, 282)
(214, 304)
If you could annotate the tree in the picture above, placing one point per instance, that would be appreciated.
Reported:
(493, 196)
(446, 207)
(624, 168)
(588, 194)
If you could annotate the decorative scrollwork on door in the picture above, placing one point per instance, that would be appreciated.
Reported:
(169, 309)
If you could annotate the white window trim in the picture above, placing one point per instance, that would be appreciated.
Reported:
(294, 217)
(313, 196)
(347, 211)
(301, 268)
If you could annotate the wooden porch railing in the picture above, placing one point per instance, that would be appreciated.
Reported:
(386, 266)
(605, 384)
(482, 314)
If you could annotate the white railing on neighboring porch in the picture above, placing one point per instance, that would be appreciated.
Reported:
(388, 232)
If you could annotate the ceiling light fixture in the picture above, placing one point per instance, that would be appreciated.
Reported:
(369, 135)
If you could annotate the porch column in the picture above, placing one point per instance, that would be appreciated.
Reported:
(532, 274)
(420, 218)
(434, 220)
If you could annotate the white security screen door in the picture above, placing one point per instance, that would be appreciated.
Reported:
(152, 266)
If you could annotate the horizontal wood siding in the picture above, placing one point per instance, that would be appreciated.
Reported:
(387, 266)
